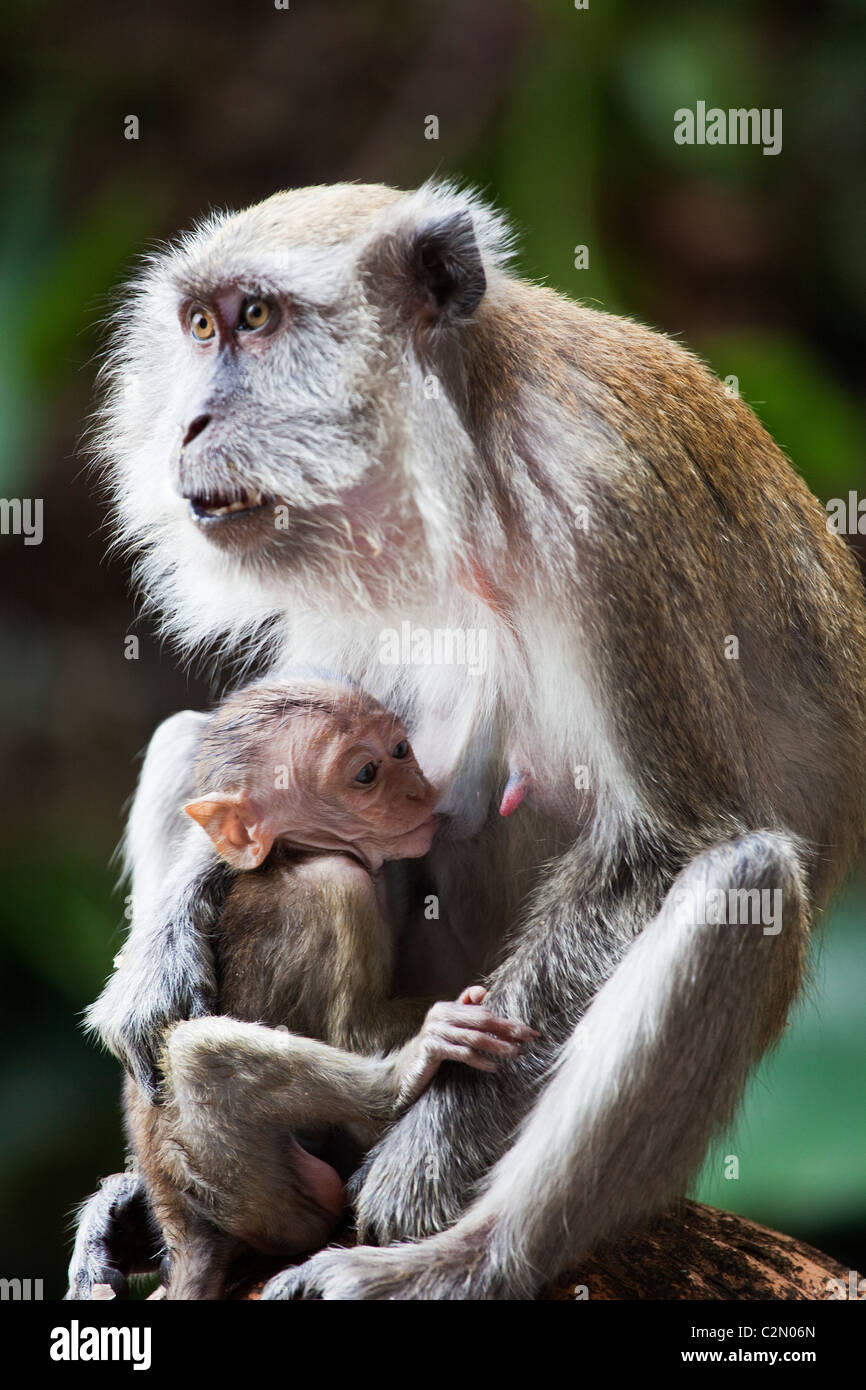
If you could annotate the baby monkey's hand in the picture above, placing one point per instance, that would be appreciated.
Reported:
(462, 1031)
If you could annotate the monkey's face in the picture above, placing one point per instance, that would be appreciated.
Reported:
(267, 419)
(365, 788)
(268, 401)
(317, 764)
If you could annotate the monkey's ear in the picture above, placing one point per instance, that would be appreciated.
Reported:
(240, 837)
(435, 267)
(448, 266)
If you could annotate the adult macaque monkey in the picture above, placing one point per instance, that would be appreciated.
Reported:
(305, 789)
(338, 412)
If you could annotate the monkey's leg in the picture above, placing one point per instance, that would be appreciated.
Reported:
(655, 1066)
(237, 1094)
(199, 1256)
(270, 1073)
(116, 1236)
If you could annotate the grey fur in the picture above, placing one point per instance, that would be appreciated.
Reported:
(584, 489)
(115, 1236)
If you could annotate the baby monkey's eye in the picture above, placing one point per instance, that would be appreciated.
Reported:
(401, 750)
(255, 314)
(201, 325)
(367, 774)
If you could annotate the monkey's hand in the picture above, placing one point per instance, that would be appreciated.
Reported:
(450, 1266)
(418, 1178)
(135, 1009)
(462, 1031)
(116, 1237)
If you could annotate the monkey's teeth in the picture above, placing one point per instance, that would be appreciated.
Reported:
(254, 499)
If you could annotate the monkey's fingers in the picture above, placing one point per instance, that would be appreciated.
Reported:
(480, 1042)
(143, 1040)
(155, 1085)
(142, 1063)
(472, 1016)
(475, 994)
(470, 1056)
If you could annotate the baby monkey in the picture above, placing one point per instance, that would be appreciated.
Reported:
(305, 789)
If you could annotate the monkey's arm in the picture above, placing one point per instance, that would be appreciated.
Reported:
(239, 1094)
(656, 1064)
(157, 826)
(464, 1031)
(253, 1076)
(166, 970)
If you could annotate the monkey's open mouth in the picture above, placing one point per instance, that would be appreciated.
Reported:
(220, 507)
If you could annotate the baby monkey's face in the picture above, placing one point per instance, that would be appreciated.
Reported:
(365, 786)
(338, 776)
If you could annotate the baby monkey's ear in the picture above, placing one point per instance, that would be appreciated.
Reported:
(235, 824)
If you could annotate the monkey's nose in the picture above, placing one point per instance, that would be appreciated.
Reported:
(195, 428)
(420, 789)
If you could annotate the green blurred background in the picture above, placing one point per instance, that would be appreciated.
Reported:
(565, 118)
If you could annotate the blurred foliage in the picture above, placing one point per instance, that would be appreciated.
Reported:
(563, 117)
(817, 422)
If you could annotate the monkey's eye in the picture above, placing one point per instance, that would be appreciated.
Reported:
(367, 774)
(201, 325)
(401, 750)
(255, 314)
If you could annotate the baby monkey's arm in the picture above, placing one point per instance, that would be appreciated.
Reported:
(462, 1031)
(237, 1091)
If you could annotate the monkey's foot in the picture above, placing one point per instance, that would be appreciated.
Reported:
(446, 1267)
(116, 1237)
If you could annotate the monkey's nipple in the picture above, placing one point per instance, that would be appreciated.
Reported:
(515, 790)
